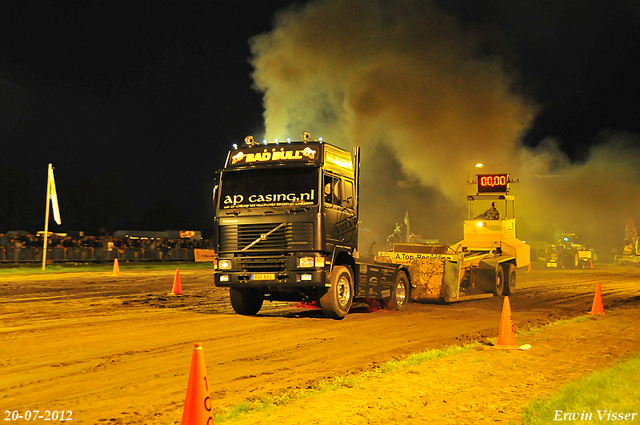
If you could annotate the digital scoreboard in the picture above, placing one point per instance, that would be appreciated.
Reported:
(493, 183)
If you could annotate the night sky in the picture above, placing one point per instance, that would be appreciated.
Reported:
(136, 103)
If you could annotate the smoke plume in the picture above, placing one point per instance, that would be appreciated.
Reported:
(408, 84)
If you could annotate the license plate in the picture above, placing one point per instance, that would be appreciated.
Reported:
(263, 276)
(552, 265)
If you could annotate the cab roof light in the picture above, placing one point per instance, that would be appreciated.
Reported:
(250, 141)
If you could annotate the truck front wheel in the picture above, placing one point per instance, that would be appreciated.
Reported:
(337, 301)
(400, 294)
(246, 301)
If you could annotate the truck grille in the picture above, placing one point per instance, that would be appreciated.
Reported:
(262, 264)
(291, 236)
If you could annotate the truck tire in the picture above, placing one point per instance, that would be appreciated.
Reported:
(510, 278)
(246, 301)
(337, 301)
(400, 293)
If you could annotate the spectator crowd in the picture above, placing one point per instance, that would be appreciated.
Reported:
(22, 247)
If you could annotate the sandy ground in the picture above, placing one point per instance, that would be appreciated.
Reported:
(117, 349)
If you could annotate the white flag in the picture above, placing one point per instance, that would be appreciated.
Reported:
(406, 222)
(54, 198)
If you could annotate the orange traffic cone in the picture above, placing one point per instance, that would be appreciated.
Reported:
(506, 335)
(597, 307)
(197, 405)
(530, 267)
(177, 287)
(591, 263)
(116, 267)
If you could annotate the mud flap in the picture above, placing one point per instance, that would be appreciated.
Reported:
(450, 283)
(487, 274)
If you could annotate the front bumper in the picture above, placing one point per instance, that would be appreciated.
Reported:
(289, 278)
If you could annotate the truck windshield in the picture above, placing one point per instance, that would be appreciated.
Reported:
(272, 187)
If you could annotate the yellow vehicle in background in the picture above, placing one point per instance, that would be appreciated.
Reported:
(483, 264)
(568, 253)
(631, 250)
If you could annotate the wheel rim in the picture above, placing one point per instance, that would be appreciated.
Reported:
(499, 283)
(343, 291)
(401, 292)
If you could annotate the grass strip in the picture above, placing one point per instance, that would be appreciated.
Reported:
(609, 395)
(392, 366)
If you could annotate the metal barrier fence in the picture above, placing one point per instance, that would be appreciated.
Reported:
(83, 255)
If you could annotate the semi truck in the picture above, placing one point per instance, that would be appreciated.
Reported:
(286, 225)
(286, 229)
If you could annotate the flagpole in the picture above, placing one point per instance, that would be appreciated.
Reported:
(46, 218)
(406, 222)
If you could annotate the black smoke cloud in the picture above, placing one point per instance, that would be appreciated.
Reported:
(414, 88)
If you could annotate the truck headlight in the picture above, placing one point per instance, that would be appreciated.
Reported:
(224, 264)
(309, 262)
(305, 262)
(481, 224)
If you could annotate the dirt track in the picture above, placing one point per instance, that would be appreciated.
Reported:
(118, 348)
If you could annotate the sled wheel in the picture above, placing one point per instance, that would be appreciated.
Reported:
(510, 278)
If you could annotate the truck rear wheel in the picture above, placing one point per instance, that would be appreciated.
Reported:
(510, 279)
(246, 301)
(400, 294)
(337, 301)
